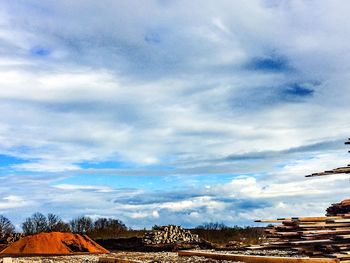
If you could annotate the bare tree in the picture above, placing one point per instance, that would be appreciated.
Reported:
(37, 223)
(6, 227)
(212, 226)
(108, 228)
(81, 225)
(101, 223)
(56, 224)
(52, 221)
(40, 222)
(115, 227)
(28, 226)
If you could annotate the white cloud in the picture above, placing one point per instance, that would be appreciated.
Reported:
(100, 189)
(13, 202)
(180, 87)
(155, 214)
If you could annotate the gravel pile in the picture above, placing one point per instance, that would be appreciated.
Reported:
(53, 243)
(11, 238)
(169, 235)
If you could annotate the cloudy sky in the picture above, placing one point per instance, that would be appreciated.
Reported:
(164, 111)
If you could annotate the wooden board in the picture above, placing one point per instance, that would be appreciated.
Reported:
(300, 219)
(255, 259)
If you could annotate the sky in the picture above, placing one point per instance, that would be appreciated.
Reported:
(173, 112)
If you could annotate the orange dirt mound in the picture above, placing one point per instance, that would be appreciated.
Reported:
(54, 243)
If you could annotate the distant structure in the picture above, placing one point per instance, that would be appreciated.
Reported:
(339, 170)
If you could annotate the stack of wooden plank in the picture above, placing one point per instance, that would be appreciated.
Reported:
(339, 208)
(339, 170)
(327, 236)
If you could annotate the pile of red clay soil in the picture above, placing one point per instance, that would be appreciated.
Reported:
(54, 243)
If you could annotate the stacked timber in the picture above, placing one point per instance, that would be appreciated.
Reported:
(169, 235)
(327, 236)
(339, 208)
(339, 170)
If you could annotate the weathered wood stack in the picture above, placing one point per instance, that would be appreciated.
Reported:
(312, 236)
(339, 208)
(169, 235)
(339, 170)
(327, 236)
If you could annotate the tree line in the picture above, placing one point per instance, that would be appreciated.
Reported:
(222, 234)
(103, 228)
(38, 223)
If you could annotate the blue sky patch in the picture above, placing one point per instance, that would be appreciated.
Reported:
(298, 90)
(102, 164)
(7, 160)
(269, 64)
(152, 38)
(40, 51)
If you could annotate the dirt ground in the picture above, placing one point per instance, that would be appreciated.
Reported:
(136, 256)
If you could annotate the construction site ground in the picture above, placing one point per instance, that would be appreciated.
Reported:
(123, 257)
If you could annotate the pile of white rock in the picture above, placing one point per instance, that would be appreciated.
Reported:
(169, 235)
(11, 238)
